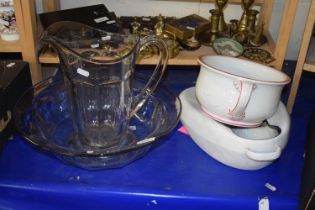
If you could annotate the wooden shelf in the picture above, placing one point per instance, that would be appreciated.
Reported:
(309, 64)
(25, 13)
(306, 58)
(183, 58)
(26, 45)
(277, 48)
(26, 21)
(190, 57)
(10, 46)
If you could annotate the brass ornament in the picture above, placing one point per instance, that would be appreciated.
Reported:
(135, 26)
(258, 55)
(159, 26)
(191, 43)
(185, 27)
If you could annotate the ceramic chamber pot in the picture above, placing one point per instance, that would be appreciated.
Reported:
(221, 142)
(238, 92)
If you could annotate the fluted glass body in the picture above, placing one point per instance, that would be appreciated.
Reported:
(101, 101)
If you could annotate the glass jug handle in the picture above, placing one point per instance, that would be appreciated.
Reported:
(157, 74)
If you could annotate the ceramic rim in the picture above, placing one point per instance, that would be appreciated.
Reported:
(201, 61)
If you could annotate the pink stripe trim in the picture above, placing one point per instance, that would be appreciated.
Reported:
(239, 96)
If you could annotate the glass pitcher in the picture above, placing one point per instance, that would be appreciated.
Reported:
(98, 68)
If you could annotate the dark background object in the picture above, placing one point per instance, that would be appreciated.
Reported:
(15, 78)
(307, 194)
(97, 16)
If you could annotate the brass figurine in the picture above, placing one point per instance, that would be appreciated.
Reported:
(135, 26)
(159, 26)
(171, 42)
(172, 46)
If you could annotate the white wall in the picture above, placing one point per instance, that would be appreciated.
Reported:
(180, 8)
(298, 26)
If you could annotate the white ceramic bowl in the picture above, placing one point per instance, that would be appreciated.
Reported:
(220, 142)
(238, 92)
(264, 131)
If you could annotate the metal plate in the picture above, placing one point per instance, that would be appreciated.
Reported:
(258, 55)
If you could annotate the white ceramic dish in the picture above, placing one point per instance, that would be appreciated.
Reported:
(258, 133)
(10, 36)
(238, 92)
(221, 143)
(6, 8)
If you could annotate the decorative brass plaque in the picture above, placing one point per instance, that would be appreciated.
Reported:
(186, 27)
(259, 55)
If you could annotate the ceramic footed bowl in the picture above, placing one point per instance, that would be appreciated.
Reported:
(221, 142)
(264, 131)
(238, 92)
(42, 117)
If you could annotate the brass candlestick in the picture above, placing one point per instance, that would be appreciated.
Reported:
(251, 25)
(210, 35)
(222, 27)
(214, 20)
(214, 27)
(246, 4)
(258, 38)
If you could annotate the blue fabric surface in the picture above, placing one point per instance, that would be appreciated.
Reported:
(176, 174)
